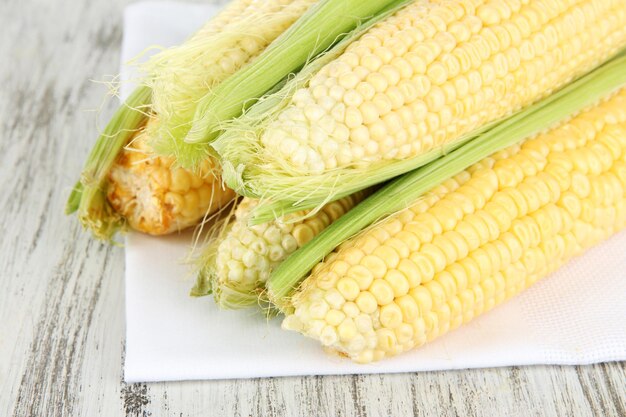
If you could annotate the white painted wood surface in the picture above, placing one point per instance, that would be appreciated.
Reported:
(62, 298)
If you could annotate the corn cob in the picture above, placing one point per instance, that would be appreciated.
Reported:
(155, 196)
(426, 77)
(117, 185)
(238, 268)
(473, 241)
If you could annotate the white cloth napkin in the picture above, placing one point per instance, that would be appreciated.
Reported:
(576, 316)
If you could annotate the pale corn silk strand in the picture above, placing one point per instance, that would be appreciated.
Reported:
(239, 259)
(472, 242)
(414, 83)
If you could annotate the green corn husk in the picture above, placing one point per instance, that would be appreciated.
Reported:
(317, 30)
(407, 189)
(88, 198)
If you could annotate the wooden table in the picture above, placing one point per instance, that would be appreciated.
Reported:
(62, 297)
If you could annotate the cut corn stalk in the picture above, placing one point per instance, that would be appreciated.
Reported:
(472, 242)
(324, 23)
(236, 265)
(429, 77)
(155, 196)
(407, 189)
(151, 193)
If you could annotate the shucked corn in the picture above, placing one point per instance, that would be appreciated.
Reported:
(155, 196)
(248, 254)
(434, 71)
(472, 242)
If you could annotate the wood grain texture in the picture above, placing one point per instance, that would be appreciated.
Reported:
(62, 298)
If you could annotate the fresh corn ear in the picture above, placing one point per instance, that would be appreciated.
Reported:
(472, 242)
(237, 265)
(151, 193)
(429, 77)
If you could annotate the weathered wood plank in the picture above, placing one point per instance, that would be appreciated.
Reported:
(52, 276)
(62, 298)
